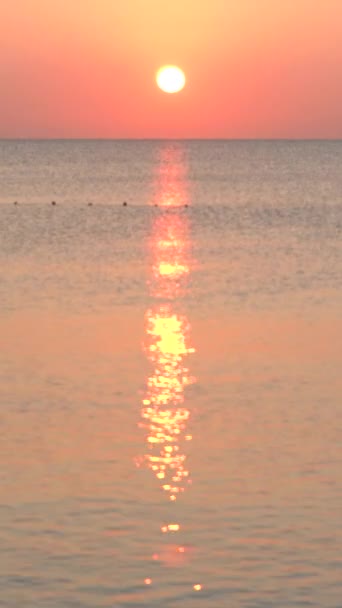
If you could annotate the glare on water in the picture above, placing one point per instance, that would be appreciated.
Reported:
(165, 413)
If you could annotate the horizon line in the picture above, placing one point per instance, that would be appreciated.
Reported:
(186, 139)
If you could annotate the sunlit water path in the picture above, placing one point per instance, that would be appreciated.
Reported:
(165, 412)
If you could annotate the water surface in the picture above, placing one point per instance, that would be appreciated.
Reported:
(170, 374)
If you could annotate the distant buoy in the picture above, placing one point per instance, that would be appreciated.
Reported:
(124, 204)
(53, 202)
(15, 203)
(90, 204)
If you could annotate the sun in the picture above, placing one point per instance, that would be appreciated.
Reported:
(170, 79)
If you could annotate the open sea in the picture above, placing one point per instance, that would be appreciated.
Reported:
(171, 374)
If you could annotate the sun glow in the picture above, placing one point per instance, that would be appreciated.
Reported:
(170, 79)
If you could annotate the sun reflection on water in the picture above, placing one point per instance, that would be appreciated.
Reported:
(164, 412)
(165, 415)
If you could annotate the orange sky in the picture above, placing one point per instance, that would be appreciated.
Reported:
(255, 68)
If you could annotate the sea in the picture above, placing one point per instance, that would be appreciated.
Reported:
(170, 374)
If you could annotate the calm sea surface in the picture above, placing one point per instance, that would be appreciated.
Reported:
(170, 374)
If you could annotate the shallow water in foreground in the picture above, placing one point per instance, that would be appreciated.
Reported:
(170, 381)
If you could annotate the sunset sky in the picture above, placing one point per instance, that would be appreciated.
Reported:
(254, 68)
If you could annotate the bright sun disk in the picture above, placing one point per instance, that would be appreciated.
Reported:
(170, 79)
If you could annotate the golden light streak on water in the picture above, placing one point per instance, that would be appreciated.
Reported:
(164, 414)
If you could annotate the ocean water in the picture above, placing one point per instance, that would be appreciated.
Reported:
(170, 374)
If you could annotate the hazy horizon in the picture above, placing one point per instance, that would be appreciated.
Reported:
(224, 139)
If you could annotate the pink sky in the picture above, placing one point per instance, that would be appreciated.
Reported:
(255, 68)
